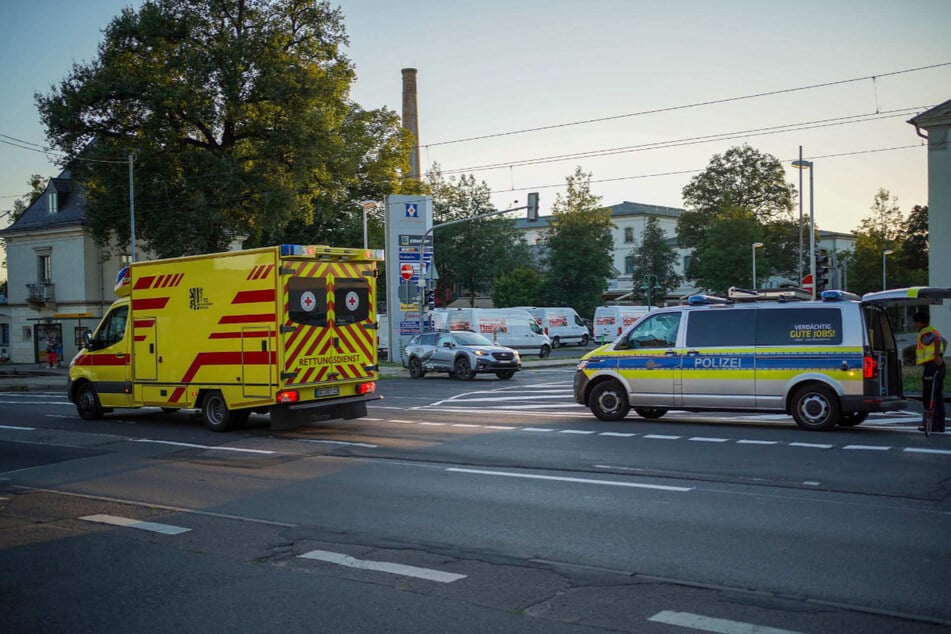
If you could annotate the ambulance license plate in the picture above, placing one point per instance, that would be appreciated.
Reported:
(327, 391)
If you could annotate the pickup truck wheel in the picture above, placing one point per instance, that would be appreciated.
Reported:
(544, 352)
(584, 341)
(650, 412)
(608, 401)
(505, 375)
(462, 370)
(816, 408)
(416, 369)
(215, 413)
(87, 402)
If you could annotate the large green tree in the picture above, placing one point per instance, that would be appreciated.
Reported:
(519, 287)
(238, 115)
(742, 186)
(579, 247)
(886, 229)
(469, 255)
(654, 260)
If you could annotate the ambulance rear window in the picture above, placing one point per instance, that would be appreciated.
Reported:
(351, 300)
(307, 300)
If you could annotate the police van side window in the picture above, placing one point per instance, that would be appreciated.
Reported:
(721, 327)
(799, 327)
(656, 331)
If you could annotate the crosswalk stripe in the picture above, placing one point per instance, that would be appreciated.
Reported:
(112, 520)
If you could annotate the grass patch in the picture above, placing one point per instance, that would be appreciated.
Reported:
(911, 379)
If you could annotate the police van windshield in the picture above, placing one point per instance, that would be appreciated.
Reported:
(656, 331)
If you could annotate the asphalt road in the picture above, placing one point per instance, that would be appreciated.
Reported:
(470, 506)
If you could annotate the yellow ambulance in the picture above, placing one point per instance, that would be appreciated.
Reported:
(289, 330)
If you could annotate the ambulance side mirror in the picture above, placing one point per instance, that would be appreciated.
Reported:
(87, 339)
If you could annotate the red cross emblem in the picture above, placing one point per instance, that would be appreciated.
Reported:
(308, 301)
(352, 300)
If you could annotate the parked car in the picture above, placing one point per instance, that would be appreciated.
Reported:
(462, 354)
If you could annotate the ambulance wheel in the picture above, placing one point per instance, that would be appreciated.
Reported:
(851, 419)
(87, 402)
(462, 370)
(584, 341)
(816, 408)
(555, 342)
(650, 412)
(544, 352)
(416, 369)
(608, 401)
(505, 375)
(215, 413)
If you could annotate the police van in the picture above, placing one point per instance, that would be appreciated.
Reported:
(826, 363)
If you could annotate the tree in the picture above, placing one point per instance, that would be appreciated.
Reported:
(520, 287)
(238, 115)
(884, 229)
(744, 189)
(470, 255)
(915, 241)
(723, 258)
(579, 248)
(37, 186)
(655, 259)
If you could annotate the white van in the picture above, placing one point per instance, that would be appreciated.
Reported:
(562, 325)
(611, 321)
(510, 327)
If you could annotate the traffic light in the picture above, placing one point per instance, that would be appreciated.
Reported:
(533, 206)
(822, 271)
(431, 298)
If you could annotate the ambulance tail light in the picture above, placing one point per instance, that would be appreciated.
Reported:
(366, 388)
(869, 367)
(288, 396)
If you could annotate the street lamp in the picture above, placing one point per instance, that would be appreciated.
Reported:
(650, 285)
(803, 165)
(885, 253)
(367, 206)
(756, 245)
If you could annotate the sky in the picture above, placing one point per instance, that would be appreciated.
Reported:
(640, 94)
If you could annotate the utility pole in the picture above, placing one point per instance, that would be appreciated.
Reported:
(131, 208)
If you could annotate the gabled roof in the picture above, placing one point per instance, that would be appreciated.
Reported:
(939, 115)
(71, 208)
(622, 209)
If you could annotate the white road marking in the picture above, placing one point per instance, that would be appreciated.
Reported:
(529, 476)
(811, 445)
(710, 624)
(382, 566)
(339, 442)
(112, 520)
(576, 431)
(703, 439)
(616, 434)
(662, 437)
(537, 429)
(757, 442)
(434, 424)
(206, 447)
(465, 425)
(812, 483)
(936, 451)
(405, 422)
(502, 427)
(868, 447)
(15, 428)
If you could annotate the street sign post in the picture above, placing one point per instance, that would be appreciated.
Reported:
(807, 283)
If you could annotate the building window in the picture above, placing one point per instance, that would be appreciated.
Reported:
(52, 199)
(629, 264)
(628, 234)
(687, 260)
(5, 335)
(45, 269)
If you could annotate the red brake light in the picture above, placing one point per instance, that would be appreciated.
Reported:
(366, 388)
(869, 367)
(288, 396)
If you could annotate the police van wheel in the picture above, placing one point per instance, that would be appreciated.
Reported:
(87, 402)
(608, 401)
(650, 412)
(416, 369)
(851, 419)
(544, 352)
(215, 413)
(816, 408)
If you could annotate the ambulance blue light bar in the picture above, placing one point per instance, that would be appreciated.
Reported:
(296, 249)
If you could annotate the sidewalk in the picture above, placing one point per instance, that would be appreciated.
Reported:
(32, 377)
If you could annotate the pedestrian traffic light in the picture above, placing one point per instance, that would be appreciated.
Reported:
(822, 271)
(532, 206)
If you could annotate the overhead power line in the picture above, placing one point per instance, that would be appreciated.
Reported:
(683, 106)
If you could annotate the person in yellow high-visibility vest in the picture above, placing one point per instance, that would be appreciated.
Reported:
(929, 353)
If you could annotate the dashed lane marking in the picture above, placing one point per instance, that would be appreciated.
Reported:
(811, 445)
(15, 428)
(868, 447)
(112, 520)
(944, 452)
(530, 476)
(205, 447)
(661, 437)
(341, 559)
(704, 439)
(710, 624)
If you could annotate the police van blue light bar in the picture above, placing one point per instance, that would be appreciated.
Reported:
(704, 300)
(838, 296)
